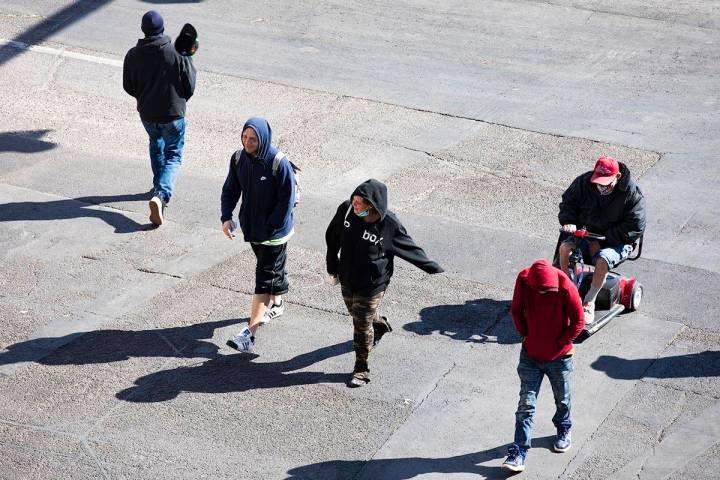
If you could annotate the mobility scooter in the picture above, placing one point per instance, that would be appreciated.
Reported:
(619, 293)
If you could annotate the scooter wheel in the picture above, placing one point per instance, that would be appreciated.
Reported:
(636, 296)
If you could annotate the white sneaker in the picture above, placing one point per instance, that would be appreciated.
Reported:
(243, 341)
(156, 211)
(274, 311)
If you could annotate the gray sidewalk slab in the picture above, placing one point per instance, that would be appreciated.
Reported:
(40, 453)
(461, 417)
(477, 115)
(102, 274)
(581, 69)
(146, 376)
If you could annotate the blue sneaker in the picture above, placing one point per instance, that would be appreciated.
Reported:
(515, 461)
(563, 442)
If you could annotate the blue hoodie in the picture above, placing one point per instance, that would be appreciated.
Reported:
(266, 211)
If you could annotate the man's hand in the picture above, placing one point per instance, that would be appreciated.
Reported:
(228, 229)
(593, 247)
(332, 280)
(569, 228)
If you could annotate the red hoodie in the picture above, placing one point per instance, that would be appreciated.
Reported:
(549, 321)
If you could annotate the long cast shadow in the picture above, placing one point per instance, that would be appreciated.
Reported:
(692, 365)
(411, 467)
(75, 208)
(172, 1)
(27, 141)
(41, 31)
(403, 468)
(107, 346)
(474, 321)
(234, 373)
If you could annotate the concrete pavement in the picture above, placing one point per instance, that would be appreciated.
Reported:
(477, 115)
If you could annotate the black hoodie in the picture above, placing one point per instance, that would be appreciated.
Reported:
(365, 263)
(619, 216)
(159, 78)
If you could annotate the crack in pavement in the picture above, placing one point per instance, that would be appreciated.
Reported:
(617, 404)
(88, 449)
(400, 424)
(681, 389)
(118, 63)
(155, 272)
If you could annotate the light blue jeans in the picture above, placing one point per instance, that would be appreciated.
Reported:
(531, 374)
(166, 147)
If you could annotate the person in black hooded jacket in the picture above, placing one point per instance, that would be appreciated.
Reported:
(161, 80)
(362, 240)
(608, 202)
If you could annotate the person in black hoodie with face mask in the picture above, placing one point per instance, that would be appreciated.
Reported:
(362, 240)
(161, 80)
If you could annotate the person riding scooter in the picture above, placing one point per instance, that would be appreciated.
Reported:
(608, 202)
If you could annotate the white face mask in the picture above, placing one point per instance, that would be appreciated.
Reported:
(606, 189)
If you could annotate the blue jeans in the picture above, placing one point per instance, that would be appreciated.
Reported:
(166, 147)
(531, 374)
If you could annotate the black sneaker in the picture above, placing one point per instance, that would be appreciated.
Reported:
(380, 329)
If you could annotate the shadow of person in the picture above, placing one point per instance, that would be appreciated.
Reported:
(411, 467)
(81, 207)
(172, 1)
(474, 321)
(27, 141)
(692, 365)
(107, 346)
(234, 373)
(50, 25)
(403, 468)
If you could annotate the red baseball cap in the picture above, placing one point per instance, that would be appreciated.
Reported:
(606, 168)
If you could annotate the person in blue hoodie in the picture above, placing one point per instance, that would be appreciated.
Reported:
(263, 177)
(363, 239)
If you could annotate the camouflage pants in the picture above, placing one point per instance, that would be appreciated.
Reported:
(364, 312)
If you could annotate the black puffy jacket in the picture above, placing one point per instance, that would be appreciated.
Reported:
(366, 250)
(159, 78)
(620, 216)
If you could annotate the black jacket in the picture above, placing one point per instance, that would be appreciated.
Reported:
(620, 216)
(159, 78)
(366, 250)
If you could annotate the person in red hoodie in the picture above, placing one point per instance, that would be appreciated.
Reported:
(548, 314)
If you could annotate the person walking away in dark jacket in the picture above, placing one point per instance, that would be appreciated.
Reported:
(367, 237)
(262, 176)
(162, 81)
(547, 312)
(607, 202)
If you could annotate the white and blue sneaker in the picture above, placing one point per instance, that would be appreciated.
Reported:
(243, 341)
(273, 311)
(563, 442)
(515, 461)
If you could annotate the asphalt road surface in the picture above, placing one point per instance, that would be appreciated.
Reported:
(477, 114)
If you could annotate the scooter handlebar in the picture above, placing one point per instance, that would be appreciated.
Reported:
(581, 233)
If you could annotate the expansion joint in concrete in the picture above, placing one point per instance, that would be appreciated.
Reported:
(299, 304)
(154, 272)
(91, 453)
